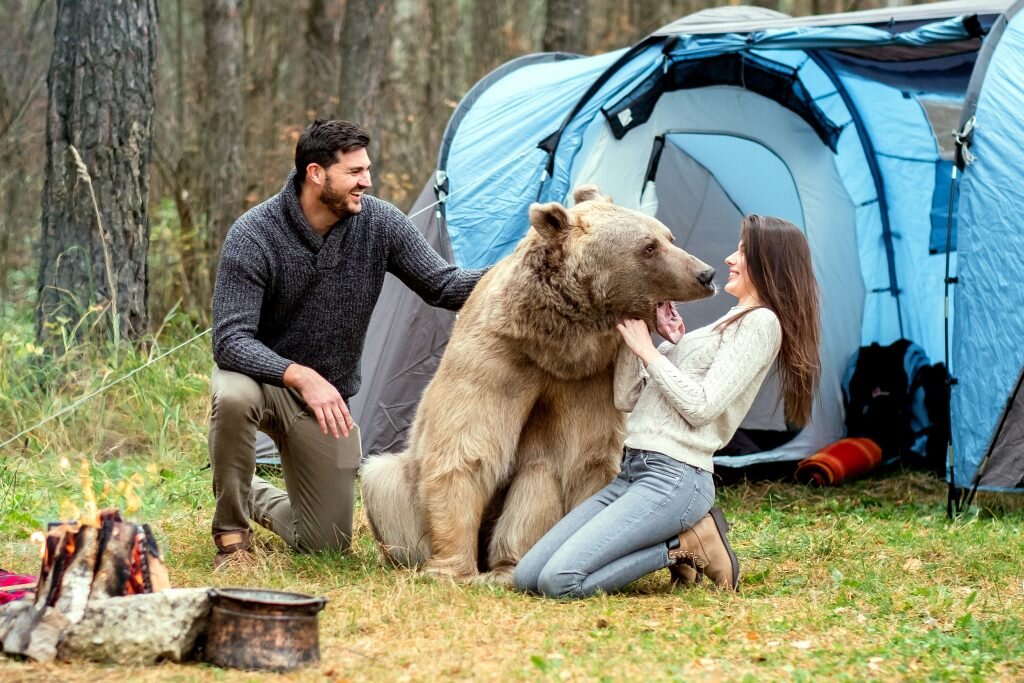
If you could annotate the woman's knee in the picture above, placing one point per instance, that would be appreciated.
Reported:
(557, 581)
(527, 573)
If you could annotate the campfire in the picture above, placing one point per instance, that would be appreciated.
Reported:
(84, 561)
(103, 594)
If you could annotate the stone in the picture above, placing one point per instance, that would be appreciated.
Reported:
(31, 632)
(139, 629)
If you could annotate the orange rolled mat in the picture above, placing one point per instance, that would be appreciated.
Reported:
(844, 459)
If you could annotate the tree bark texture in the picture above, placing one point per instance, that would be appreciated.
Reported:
(224, 132)
(99, 127)
(323, 20)
(364, 63)
(567, 26)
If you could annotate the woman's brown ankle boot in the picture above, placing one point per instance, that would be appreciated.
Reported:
(706, 548)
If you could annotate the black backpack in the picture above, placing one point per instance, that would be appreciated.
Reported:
(896, 398)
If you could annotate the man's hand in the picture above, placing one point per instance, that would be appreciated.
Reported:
(638, 339)
(670, 323)
(322, 398)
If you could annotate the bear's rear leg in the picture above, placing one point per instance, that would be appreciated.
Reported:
(457, 502)
(534, 505)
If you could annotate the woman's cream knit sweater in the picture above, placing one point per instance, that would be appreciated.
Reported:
(690, 400)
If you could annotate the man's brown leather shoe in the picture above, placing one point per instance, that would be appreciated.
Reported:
(705, 547)
(233, 550)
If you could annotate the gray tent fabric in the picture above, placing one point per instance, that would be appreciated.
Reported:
(267, 454)
(404, 343)
(1003, 467)
(704, 220)
(735, 19)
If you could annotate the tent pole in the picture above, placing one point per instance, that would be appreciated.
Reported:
(876, 176)
(945, 327)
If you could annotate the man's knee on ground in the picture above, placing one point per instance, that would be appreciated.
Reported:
(318, 544)
(318, 537)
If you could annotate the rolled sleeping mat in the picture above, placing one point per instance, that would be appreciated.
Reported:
(845, 459)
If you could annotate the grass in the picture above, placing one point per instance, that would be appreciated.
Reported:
(869, 581)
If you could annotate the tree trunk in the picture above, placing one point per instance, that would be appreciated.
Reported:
(321, 72)
(98, 145)
(446, 72)
(487, 37)
(364, 58)
(567, 27)
(224, 186)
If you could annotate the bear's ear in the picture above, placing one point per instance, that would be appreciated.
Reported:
(551, 220)
(587, 193)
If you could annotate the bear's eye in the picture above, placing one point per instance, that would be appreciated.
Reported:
(650, 249)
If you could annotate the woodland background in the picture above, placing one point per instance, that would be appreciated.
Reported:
(183, 113)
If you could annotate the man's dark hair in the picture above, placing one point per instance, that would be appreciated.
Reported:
(322, 141)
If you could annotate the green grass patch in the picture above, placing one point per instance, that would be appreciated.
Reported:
(868, 581)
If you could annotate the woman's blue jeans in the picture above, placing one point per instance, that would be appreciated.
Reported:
(619, 534)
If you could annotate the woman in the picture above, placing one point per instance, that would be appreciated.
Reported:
(686, 400)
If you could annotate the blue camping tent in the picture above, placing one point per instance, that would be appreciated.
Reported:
(844, 124)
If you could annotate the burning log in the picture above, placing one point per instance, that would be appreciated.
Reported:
(82, 563)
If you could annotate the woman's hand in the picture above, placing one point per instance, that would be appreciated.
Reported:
(670, 323)
(638, 339)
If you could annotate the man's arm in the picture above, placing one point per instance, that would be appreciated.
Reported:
(422, 270)
(242, 276)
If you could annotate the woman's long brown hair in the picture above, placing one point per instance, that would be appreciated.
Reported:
(778, 261)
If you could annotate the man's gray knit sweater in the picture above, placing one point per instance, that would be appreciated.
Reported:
(285, 295)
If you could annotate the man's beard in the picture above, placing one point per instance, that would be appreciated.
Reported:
(335, 202)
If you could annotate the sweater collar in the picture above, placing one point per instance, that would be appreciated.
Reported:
(296, 219)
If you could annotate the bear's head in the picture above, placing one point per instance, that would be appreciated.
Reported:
(621, 261)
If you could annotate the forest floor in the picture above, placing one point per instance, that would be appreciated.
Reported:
(868, 581)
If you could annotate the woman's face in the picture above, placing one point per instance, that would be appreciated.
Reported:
(738, 284)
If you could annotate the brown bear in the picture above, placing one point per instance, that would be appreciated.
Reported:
(521, 403)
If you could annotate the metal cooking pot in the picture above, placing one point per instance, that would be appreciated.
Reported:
(261, 629)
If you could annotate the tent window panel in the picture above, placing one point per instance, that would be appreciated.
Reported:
(764, 77)
(944, 116)
(941, 210)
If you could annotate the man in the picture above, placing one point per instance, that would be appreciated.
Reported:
(298, 278)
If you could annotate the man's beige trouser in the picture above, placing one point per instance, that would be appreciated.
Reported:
(319, 470)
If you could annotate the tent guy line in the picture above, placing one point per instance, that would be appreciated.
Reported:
(103, 388)
(208, 330)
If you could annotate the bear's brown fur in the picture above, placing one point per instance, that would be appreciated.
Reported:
(522, 399)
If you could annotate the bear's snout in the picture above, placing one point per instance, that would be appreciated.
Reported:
(706, 277)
